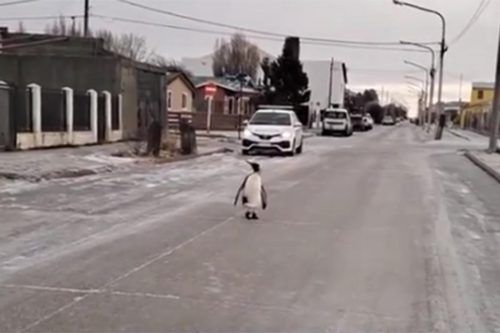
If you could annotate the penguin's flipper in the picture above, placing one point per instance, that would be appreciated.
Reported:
(239, 190)
(263, 195)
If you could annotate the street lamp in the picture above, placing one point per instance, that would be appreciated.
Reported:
(241, 77)
(432, 75)
(427, 108)
(409, 77)
(444, 48)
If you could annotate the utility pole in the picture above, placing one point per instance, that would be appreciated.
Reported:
(460, 100)
(86, 19)
(496, 109)
(331, 85)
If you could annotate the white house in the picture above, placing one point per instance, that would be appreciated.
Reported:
(318, 72)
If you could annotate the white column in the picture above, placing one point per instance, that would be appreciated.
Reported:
(120, 111)
(209, 113)
(93, 112)
(107, 112)
(68, 93)
(36, 112)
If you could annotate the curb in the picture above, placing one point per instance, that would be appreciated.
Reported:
(181, 158)
(58, 174)
(76, 173)
(458, 135)
(485, 167)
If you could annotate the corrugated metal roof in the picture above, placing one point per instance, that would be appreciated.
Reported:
(483, 85)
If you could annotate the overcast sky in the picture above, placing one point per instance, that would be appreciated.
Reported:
(369, 20)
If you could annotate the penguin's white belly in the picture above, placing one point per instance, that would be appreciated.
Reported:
(252, 191)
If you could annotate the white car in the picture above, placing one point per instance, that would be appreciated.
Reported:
(336, 120)
(273, 131)
(388, 120)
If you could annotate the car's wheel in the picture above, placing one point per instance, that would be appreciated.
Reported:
(244, 152)
(299, 149)
(292, 152)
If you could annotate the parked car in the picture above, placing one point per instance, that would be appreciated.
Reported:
(388, 120)
(357, 122)
(273, 131)
(336, 121)
(368, 121)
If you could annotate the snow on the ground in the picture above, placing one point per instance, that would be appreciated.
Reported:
(49, 218)
(472, 249)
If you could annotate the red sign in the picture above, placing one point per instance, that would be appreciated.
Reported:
(210, 90)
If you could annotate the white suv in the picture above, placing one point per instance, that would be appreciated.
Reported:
(273, 131)
(336, 120)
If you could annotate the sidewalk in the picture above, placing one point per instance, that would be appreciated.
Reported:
(490, 163)
(37, 165)
(467, 135)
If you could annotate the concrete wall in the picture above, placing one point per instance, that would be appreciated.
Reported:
(130, 101)
(54, 72)
(73, 46)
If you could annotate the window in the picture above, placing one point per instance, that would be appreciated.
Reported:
(271, 118)
(231, 105)
(335, 115)
(169, 99)
(480, 94)
(184, 104)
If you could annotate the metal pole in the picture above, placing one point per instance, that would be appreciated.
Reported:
(331, 85)
(432, 74)
(439, 129)
(239, 109)
(496, 109)
(86, 19)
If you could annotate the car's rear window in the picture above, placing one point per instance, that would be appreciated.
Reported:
(335, 115)
(271, 118)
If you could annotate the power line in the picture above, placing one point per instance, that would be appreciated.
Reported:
(38, 18)
(477, 14)
(255, 31)
(268, 38)
(17, 2)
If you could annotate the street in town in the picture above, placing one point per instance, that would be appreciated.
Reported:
(384, 231)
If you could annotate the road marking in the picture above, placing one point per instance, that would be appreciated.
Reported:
(136, 269)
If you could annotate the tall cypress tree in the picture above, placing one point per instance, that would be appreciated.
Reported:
(288, 81)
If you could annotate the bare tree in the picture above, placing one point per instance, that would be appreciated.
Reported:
(107, 37)
(128, 45)
(61, 28)
(170, 65)
(131, 46)
(236, 56)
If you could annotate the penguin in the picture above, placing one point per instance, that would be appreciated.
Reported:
(254, 195)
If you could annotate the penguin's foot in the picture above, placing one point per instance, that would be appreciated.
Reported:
(248, 215)
(254, 216)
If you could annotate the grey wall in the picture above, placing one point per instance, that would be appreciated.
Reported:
(130, 104)
(79, 73)
(5, 123)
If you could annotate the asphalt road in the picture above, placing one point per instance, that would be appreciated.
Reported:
(380, 232)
